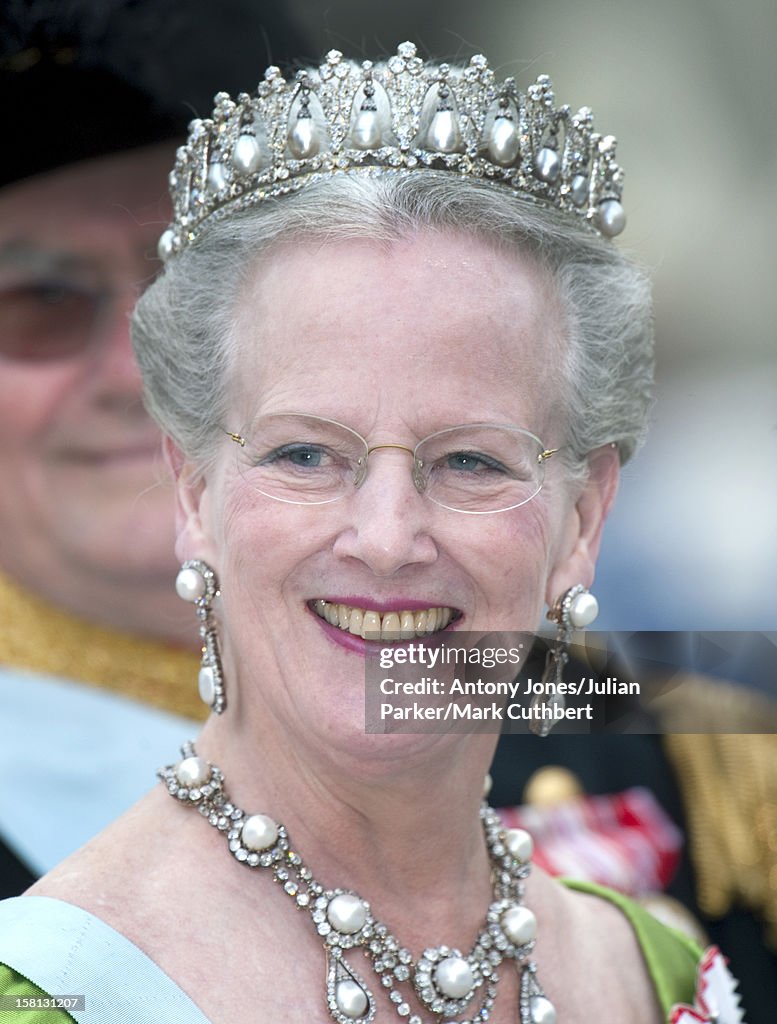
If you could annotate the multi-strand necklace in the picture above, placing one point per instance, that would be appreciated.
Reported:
(444, 980)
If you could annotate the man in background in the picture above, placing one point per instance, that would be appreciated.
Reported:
(98, 660)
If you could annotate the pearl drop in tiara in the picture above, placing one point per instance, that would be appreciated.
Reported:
(393, 117)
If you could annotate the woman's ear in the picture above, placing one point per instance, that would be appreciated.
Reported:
(194, 535)
(581, 541)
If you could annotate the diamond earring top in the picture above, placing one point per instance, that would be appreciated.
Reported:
(399, 116)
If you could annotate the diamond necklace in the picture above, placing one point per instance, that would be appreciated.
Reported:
(444, 980)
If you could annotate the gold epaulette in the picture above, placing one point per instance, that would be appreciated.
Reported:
(41, 638)
(729, 786)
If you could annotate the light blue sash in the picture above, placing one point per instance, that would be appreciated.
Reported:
(66, 951)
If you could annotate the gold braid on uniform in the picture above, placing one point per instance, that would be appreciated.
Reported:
(39, 637)
(729, 787)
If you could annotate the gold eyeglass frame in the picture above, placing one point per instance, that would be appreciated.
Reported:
(418, 478)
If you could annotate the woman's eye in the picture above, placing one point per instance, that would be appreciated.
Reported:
(308, 457)
(299, 455)
(472, 462)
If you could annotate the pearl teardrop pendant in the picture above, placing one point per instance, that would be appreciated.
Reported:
(303, 138)
(611, 218)
(444, 135)
(351, 999)
(206, 684)
(547, 165)
(165, 244)
(217, 177)
(578, 190)
(542, 1010)
(246, 156)
(504, 142)
(366, 132)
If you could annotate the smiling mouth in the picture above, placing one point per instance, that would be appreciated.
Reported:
(372, 625)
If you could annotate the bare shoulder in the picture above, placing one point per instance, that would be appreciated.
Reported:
(605, 969)
(151, 877)
(124, 874)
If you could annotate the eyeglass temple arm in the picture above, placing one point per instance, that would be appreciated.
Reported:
(237, 438)
(546, 454)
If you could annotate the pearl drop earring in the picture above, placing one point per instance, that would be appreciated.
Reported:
(575, 609)
(196, 583)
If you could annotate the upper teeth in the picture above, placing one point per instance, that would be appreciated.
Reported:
(372, 625)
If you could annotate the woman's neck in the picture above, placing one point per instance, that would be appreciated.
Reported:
(407, 838)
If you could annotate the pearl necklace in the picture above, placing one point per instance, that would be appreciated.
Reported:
(444, 980)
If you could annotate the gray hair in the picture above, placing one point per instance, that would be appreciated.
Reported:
(183, 326)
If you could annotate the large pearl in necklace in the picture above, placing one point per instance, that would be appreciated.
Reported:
(346, 913)
(519, 843)
(542, 1010)
(519, 925)
(454, 977)
(351, 998)
(259, 832)
(192, 771)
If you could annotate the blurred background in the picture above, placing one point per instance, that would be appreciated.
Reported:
(689, 87)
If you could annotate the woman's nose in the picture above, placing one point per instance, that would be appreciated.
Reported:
(387, 521)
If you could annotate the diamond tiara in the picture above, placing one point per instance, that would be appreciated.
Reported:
(402, 115)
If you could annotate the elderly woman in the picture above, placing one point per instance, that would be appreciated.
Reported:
(399, 360)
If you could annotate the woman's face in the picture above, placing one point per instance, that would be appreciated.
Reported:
(395, 341)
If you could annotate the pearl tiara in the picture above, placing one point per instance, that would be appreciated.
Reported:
(398, 116)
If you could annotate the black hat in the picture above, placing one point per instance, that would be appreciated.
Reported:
(84, 78)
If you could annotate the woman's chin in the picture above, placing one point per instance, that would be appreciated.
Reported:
(372, 747)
